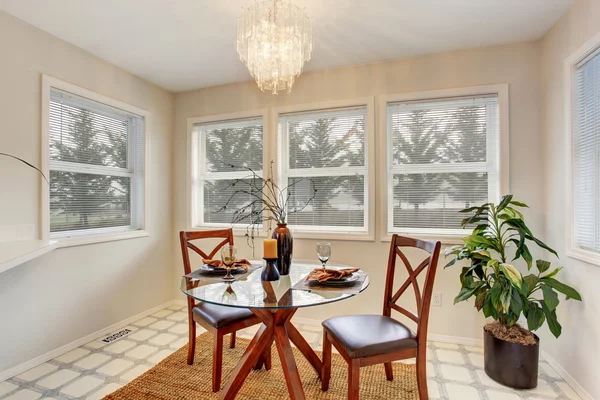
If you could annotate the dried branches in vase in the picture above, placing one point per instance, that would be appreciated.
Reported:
(269, 202)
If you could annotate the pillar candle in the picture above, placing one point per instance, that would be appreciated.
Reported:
(270, 250)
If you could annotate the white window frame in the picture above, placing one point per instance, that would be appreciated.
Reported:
(369, 104)
(193, 176)
(572, 250)
(107, 234)
(501, 90)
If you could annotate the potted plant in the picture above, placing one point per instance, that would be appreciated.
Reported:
(511, 352)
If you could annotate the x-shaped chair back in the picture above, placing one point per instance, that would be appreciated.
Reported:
(423, 297)
(186, 238)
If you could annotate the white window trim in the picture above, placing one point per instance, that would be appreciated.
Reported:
(384, 100)
(572, 250)
(191, 217)
(369, 103)
(49, 82)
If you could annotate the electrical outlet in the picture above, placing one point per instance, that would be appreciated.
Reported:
(436, 299)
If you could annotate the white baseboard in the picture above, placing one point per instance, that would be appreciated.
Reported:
(566, 376)
(9, 373)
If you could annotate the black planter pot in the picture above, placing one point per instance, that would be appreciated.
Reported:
(511, 364)
(285, 246)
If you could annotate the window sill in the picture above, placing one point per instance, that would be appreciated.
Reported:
(359, 237)
(101, 238)
(444, 239)
(584, 255)
(13, 254)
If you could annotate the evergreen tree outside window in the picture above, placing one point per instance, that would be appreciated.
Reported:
(96, 167)
(328, 147)
(443, 156)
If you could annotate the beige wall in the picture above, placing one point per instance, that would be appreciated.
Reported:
(72, 292)
(517, 65)
(580, 344)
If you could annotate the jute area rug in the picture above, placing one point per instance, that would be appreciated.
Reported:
(173, 378)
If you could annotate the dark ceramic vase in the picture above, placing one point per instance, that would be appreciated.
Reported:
(511, 364)
(285, 246)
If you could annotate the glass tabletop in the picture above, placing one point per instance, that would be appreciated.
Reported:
(251, 292)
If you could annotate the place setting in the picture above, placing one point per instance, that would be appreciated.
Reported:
(228, 269)
(336, 279)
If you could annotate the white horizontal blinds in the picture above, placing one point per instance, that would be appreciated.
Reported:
(96, 167)
(443, 156)
(323, 156)
(586, 154)
(224, 156)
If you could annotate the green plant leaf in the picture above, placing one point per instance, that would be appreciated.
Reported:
(542, 265)
(518, 204)
(466, 293)
(553, 324)
(531, 281)
(550, 297)
(541, 244)
(535, 317)
(505, 299)
(561, 287)
(516, 304)
(512, 274)
(504, 202)
(488, 307)
(553, 273)
(483, 254)
(480, 298)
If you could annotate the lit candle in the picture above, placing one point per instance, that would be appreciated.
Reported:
(270, 250)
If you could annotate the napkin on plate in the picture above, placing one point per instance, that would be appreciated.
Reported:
(325, 274)
(241, 263)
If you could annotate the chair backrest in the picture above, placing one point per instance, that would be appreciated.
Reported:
(186, 238)
(423, 297)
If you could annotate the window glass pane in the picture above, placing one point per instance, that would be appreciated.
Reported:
(434, 200)
(81, 136)
(229, 200)
(85, 201)
(339, 201)
(327, 140)
(586, 155)
(234, 148)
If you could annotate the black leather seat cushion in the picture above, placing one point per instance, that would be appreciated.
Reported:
(219, 316)
(370, 335)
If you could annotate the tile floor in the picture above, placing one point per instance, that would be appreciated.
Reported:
(96, 369)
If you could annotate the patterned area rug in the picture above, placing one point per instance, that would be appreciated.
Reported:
(172, 378)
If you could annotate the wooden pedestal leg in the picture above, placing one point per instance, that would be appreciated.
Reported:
(290, 370)
(304, 348)
(248, 360)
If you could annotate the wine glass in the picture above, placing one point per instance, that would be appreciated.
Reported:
(229, 256)
(323, 252)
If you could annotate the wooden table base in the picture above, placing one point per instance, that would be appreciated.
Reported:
(276, 327)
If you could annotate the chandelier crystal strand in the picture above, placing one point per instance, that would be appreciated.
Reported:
(274, 40)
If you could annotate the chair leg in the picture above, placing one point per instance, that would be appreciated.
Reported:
(389, 373)
(192, 342)
(232, 340)
(326, 372)
(354, 380)
(422, 372)
(217, 362)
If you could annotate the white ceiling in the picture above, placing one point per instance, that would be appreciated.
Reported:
(188, 44)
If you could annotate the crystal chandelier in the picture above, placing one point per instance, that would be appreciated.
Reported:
(274, 40)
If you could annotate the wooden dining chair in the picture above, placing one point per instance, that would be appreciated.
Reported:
(365, 340)
(219, 320)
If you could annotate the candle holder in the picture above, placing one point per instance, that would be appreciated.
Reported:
(270, 271)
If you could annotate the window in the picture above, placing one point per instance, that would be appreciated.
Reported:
(326, 151)
(222, 154)
(586, 154)
(442, 156)
(96, 167)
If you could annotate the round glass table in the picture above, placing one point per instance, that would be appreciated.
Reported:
(275, 303)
